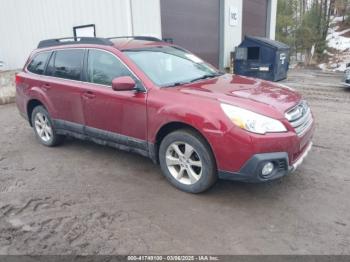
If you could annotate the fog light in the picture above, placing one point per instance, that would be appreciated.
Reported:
(267, 169)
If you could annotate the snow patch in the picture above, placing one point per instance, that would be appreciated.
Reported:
(338, 19)
(341, 44)
(323, 66)
(337, 41)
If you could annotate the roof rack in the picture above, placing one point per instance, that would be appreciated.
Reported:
(142, 38)
(74, 40)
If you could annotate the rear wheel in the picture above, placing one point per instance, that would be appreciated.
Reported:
(187, 161)
(43, 127)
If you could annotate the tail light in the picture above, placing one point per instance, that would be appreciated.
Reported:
(19, 79)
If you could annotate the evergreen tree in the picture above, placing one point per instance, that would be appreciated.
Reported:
(304, 24)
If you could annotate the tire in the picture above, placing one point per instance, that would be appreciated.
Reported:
(182, 168)
(43, 128)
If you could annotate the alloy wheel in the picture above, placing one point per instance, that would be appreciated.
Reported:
(184, 163)
(43, 127)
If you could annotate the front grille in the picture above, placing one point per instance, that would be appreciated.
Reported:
(300, 117)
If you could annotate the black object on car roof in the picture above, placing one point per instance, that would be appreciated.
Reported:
(90, 40)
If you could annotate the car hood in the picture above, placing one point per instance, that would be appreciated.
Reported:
(237, 90)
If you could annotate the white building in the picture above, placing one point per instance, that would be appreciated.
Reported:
(209, 28)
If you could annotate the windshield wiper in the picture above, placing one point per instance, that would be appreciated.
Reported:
(205, 77)
(175, 84)
(194, 80)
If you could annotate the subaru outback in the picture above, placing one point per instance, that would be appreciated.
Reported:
(159, 100)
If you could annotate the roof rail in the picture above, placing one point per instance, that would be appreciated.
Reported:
(144, 38)
(74, 40)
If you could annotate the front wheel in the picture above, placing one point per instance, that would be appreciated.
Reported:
(187, 161)
(43, 127)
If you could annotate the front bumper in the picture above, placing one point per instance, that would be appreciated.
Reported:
(252, 170)
(346, 79)
(346, 83)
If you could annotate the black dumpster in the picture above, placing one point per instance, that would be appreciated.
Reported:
(262, 58)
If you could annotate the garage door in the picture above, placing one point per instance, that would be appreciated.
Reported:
(255, 17)
(194, 25)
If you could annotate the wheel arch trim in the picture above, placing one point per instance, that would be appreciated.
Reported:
(31, 104)
(168, 128)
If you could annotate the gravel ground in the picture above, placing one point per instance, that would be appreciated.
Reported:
(81, 198)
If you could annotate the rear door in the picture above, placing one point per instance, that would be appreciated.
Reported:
(63, 86)
(118, 117)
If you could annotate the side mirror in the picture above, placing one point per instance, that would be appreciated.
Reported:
(123, 83)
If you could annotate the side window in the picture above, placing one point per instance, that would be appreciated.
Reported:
(103, 67)
(50, 69)
(37, 65)
(68, 64)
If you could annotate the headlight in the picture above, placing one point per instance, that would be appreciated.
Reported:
(251, 121)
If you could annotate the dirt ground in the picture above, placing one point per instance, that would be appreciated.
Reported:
(81, 198)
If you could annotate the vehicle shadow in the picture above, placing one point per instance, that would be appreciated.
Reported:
(147, 172)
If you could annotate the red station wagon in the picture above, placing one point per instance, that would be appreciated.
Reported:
(154, 98)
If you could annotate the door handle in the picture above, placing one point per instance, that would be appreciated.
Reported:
(89, 95)
(46, 86)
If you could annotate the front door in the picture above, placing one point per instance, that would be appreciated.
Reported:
(116, 116)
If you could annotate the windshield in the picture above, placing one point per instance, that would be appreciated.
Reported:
(170, 66)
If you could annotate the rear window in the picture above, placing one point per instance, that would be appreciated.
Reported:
(67, 64)
(37, 65)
